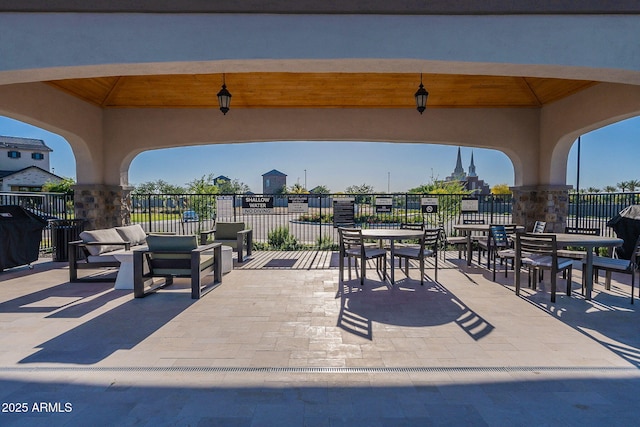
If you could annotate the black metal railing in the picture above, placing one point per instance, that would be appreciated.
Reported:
(312, 224)
(50, 206)
(593, 210)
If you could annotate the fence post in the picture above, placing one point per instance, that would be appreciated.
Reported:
(493, 208)
(320, 220)
(149, 212)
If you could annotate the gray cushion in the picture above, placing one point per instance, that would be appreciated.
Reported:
(228, 230)
(134, 234)
(169, 243)
(107, 235)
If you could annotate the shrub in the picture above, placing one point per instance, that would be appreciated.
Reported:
(280, 239)
(326, 243)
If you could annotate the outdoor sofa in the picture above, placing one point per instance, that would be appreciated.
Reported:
(97, 248)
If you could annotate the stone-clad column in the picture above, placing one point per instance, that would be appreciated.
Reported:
(548, 203)
(102, 206)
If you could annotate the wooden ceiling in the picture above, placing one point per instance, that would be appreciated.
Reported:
(319, 90)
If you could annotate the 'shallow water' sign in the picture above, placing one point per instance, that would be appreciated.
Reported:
(257, 204)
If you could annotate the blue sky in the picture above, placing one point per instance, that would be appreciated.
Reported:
(608, 156)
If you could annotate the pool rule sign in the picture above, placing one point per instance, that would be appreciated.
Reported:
(298, 204)
(384, 205)
(343, 211)
(429, 204)
(469, 204)
(257, 205)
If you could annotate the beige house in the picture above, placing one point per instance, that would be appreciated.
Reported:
(24, 164)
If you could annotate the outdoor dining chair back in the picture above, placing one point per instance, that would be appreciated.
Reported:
(497, 245)
(539, 227)
(428, 247)
(539, 251)
(352, 246)
(616, 265)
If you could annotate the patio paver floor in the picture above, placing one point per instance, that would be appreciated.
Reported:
(293, 347)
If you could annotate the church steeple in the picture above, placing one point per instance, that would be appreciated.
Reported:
(458, 172)
(472, 167)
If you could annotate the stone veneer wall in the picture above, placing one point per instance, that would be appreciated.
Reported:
(541, 203)
(102, 206)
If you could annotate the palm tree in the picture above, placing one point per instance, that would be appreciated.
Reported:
(298, 189)
(633, 185)
(593, 190)
(623, 185)
(610, 189)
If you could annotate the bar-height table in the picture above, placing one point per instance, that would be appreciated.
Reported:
(392, 235)
(582, 240)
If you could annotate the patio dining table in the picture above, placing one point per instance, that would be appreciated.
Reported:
(392, 235)
(588, 242)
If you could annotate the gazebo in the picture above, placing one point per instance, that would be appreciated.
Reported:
(114, 79)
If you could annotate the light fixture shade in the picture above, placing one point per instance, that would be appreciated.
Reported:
(421, 98)
(224, 99)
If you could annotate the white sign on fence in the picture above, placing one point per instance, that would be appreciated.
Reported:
(429, 204)
(224, 207)
(384, 204)
(298, 204)
(469, 205)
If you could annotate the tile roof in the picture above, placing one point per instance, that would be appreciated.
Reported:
(273, 172)
(23, 143)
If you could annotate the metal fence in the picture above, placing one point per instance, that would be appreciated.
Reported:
(593, 210)
(309, 221)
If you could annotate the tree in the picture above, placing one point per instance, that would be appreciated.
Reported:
(500, 189)
(610, 189)
(298, 189)
(623, 185)
(593, 190)
(320, 189)
(359, 189)
(232, 187)
(157, 187)
(65, 186)
(204, 185)
(281, 190)
(633, 185)
(440, 187)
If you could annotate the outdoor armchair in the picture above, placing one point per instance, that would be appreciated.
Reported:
(176, 256)
(232, 234)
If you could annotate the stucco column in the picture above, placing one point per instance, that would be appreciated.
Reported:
(102, 206)
(548, 203)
